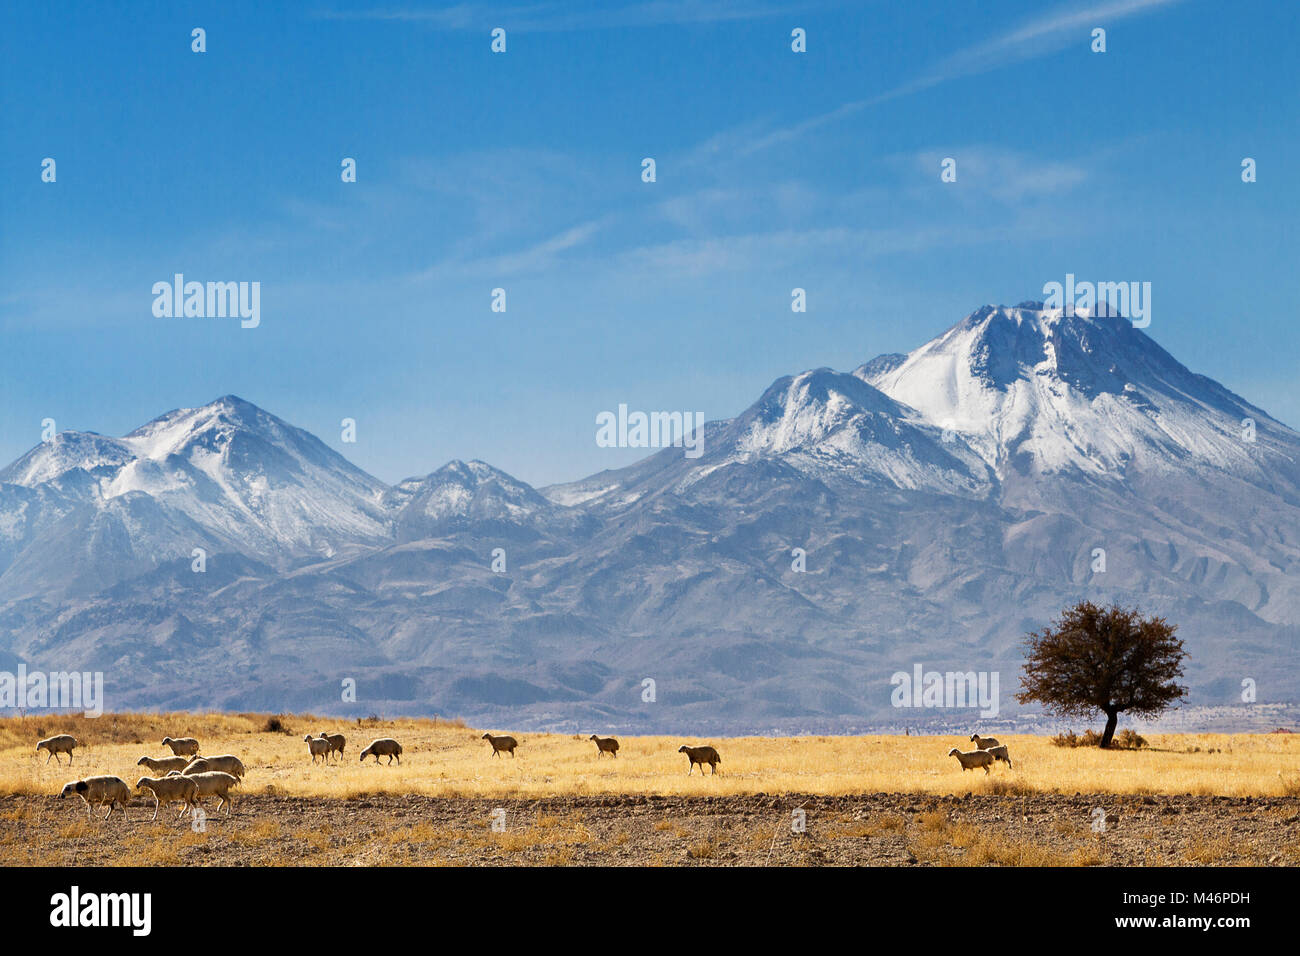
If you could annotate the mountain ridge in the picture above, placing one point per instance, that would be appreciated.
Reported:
(945, 501)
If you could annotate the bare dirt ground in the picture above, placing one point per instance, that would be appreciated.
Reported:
(898, 829)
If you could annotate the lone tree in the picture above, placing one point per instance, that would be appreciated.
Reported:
(1103, 659)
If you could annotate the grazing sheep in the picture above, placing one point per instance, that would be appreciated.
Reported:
(383, 747)
(100, 790)
(164, 765)
(701, 756)
(983, 743)
(972, 758)
(336, 742)
(605, 745)
(214, 782)
(182, 746)
(226, 763)
(504, 742)
(58, 744)
(319, 747)
(1000, 753)
(179, 789)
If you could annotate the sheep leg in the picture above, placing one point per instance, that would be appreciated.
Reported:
(156, 804)
(48, 756)
(69, 758)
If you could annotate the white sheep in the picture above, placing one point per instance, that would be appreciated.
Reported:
(182, 746)
(214, 782)
(178, 789)
(319, 747)
(58, 744)
(226, 763)
(99, 791)
(972, 758)
(163, 765)
(383, 747)
(983, 743)
(1000, 753)
(337, 742)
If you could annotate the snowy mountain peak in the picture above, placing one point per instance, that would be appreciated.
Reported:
(65, 452)
(213, 426)
(460, 491)
(829, 423)
(226, 475)
(1042, 391)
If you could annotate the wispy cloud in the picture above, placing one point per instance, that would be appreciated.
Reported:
(764, 252)
(1037, 38)
(1005, 174)
(536, 258)
(564, 17)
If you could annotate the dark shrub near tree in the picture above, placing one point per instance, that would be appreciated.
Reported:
(1109, 660)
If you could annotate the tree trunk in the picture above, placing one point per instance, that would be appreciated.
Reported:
(1112, 718)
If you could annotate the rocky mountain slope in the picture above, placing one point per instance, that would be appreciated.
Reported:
(927, 508)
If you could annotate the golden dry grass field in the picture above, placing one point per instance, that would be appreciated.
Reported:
(450, 760)
(1199, 800)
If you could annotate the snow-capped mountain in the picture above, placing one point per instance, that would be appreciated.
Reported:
(462, 495)
(1037, 391)
(927, 508)
(820, 425)
(226, 476)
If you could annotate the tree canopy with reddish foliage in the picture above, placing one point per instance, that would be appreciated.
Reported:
(1111, 660)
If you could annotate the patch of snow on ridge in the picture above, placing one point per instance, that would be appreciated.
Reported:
(1060, 393)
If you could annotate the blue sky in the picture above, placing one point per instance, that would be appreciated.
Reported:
(522, 170)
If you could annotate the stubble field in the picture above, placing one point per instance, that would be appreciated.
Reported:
(877, 800)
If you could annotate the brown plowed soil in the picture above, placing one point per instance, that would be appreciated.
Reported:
(753, 830)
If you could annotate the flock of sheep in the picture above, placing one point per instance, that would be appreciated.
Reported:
(186, 777)
(987, 750)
